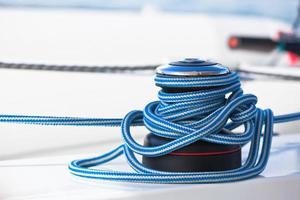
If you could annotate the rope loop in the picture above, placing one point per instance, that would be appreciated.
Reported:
(187, 117)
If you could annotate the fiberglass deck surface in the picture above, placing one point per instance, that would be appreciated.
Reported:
(33, 159)
(48, 178)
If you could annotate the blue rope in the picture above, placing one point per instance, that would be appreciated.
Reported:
(186, 118)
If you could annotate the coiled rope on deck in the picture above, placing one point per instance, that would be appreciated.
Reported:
(185, 117)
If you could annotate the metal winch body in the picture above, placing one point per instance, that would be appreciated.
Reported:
(201, 155)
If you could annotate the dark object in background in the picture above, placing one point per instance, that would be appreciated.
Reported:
(286, 42)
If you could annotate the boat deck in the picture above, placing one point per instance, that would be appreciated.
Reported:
(48, 178)
(33, 159)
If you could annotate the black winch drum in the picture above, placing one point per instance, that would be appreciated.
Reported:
(200, 156)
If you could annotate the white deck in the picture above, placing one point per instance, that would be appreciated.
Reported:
(48, 178)
(33, 159)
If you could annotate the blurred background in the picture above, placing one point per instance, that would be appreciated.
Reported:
(260, 38)
(138, 32)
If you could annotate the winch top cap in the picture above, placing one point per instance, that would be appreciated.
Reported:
(193, 67)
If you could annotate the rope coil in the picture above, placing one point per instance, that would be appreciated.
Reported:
(188, 117)
(185, 117)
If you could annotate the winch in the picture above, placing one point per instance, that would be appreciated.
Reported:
(201, 155)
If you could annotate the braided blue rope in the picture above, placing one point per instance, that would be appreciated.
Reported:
(185, 117)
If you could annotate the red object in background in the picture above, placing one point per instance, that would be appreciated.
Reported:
(293, 59)
(233, 42)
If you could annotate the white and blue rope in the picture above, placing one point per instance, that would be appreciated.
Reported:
(185, 117)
